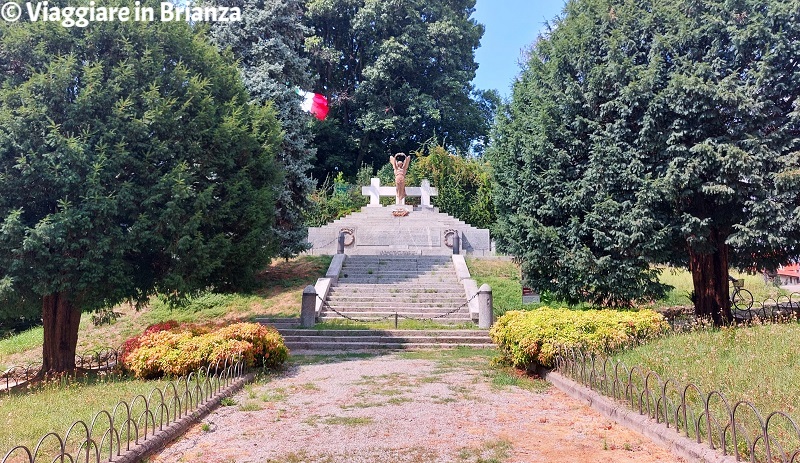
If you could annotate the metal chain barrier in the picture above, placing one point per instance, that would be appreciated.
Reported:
(396, 315)
(323, 246)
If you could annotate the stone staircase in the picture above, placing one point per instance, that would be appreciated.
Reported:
(326, 341)
(373, 288)
(378, 288)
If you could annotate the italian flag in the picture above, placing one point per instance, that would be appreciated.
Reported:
(315, 103)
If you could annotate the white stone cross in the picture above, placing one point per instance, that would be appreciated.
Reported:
(375, 191)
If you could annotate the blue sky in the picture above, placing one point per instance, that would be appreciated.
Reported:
(511, 26)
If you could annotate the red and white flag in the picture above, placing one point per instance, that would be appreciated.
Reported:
(315, 103)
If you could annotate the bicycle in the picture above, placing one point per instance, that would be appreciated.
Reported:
(741, 299)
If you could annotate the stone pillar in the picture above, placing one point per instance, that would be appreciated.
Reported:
(457, 242)
(485, 314)
(340, 247)
(308, 309)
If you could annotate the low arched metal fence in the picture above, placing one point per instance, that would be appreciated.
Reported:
(734, 428)
(109, 435)
(783, 308)
(105, 359)
(773, 309)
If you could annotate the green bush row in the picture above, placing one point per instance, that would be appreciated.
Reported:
(532, 338)
(168, 349)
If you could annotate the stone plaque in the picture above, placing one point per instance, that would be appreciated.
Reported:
(400, 236)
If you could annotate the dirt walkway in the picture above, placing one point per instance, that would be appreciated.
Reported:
(415, 407)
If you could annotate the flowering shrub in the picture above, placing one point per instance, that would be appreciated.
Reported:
(531, 338)
(181, 350)
(133, 343)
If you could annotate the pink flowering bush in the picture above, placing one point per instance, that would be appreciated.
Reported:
(181, 350)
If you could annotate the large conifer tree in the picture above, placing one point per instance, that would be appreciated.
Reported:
(268, 43)
(653, 132)
(130, 162)
(397, 73)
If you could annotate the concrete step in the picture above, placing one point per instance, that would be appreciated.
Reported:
(422, 310)
(365, 340)
(408, 311)
(390, 333)
(390, 269)
(322, 346)
(399, 283)
(407, 260)
(279, 323)
(361, 317)
(386, 270)
(343, 298)
(395, 302)
(377, 299)
(373, 288)
(391, 339)
(389, 289)
(418, 275)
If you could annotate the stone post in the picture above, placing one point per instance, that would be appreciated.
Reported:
(485, 314)
(457, 242)
(340, 247)
(308, 310)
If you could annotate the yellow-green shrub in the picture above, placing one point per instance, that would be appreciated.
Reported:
(531, 338)
(181, 350)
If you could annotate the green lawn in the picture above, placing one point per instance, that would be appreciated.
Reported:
(53, 408)
(21, 342)
(681, 281)
(503, 276)
(758, 363)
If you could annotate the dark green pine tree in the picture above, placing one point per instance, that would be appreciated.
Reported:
(397, 74)
(643, 133)
(131, 162)
(268, 43)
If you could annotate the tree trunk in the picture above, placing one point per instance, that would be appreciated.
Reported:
(61, 320)
(362, 152)
(710, 278)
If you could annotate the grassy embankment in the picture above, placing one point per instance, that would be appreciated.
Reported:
(758, 363)
(53, 407)
(504, 278)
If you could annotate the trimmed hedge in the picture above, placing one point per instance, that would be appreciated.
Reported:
(169, 349)
(531, 338)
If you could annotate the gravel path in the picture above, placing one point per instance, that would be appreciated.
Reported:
(414, 407)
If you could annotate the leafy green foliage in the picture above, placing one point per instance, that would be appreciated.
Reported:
(130, 162)
(396, 74)
(336, 199)
(180, 351)
(465, 186)
(531, 338)
(643, 133)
